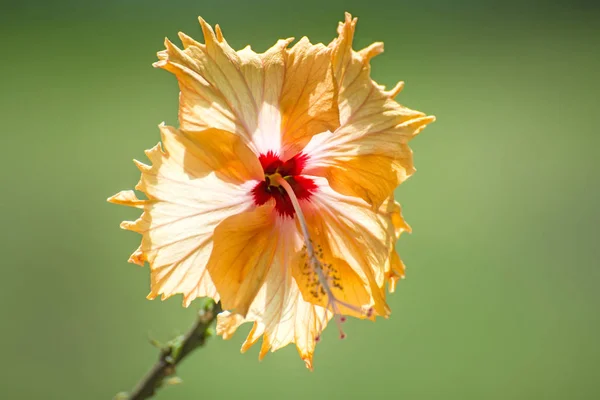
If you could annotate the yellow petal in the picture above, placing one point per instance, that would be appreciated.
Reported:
(227, 324)
(368, 155)
(242, 255)
(255, 334)
(395, 268)
(223, 152)
(363, 237)
(275, 101)
(280, 314)
(127, 198)
(214, 94)
(309, 97)
(186, 201)
(346, 285)
(299, 322)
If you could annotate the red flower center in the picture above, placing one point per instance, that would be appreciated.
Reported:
(290, 170)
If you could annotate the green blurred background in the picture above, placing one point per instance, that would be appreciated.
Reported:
(501, 299)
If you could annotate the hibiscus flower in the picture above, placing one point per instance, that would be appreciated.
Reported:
(275, 194)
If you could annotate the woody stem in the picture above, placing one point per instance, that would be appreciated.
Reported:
(172, 353)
